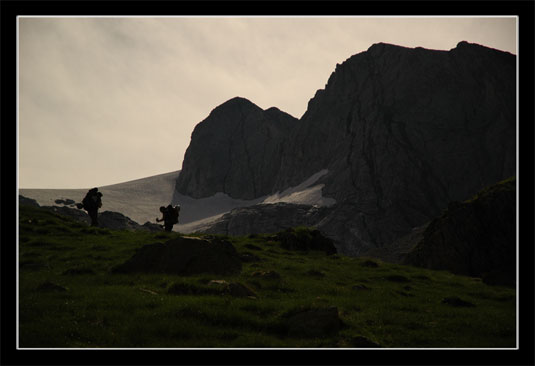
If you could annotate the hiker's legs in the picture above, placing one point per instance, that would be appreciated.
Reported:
(94, 217)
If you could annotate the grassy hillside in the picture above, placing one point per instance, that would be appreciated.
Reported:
(68, 297)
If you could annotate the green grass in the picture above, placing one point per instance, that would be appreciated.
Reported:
(392, 305)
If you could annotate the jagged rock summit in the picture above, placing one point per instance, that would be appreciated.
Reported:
(401, 132)
(236, 150)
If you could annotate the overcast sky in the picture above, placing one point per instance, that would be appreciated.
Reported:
(104, 100)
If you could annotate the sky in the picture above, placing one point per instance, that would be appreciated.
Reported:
(105, 100)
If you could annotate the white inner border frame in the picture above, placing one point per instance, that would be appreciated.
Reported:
(266, 16)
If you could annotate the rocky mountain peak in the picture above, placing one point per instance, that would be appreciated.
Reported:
(236, 102)
(235, 150)
(402, 132)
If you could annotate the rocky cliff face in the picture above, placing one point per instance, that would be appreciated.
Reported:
(413, 129)
(236, 150)
(474, 238)
(401, 131)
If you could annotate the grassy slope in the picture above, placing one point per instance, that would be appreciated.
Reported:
(100, 309)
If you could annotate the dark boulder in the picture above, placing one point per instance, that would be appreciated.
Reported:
(184, 256)
(303, 240)
(73, 213)
(66, 202)
(318, 322)
(457, 302)
(369, 263)
(25, 201)
(474, 238)
(116, 221)
(149, 226)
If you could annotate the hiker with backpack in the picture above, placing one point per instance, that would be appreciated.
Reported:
(91, 203)
(170, 216)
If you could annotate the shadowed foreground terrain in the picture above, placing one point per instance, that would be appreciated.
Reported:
(76, 291)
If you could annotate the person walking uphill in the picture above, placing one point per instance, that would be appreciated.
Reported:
(170, 216)
(91, 203)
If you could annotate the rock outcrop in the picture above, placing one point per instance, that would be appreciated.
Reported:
(401, 131)
(107, 219)
(265, 219)
(474, 238)
(27, 202)
(184, 256)
(237, 150)
(305, 240)
(315, 322)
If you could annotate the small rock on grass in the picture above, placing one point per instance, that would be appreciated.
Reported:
(316, 322)
(457, 302)
(370, 264)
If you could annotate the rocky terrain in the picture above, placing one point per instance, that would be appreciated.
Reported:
(401, 132)
(473, 238)
(265, 218)
(107, 219)
(139, 199)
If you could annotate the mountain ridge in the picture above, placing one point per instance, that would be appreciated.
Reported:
(401, 131)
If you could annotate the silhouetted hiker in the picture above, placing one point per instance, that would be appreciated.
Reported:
(170, 216)
(91, 203)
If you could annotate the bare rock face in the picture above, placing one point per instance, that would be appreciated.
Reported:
(405, 131)
(401, 131)
(265, 218)
(236, 150)
(474, 238)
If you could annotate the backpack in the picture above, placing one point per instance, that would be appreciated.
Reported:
(92, 200)
(173, 214)
(87, 202)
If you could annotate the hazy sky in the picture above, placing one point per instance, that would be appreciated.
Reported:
(104, 100)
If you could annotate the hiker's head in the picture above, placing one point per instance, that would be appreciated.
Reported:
(162, 208)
